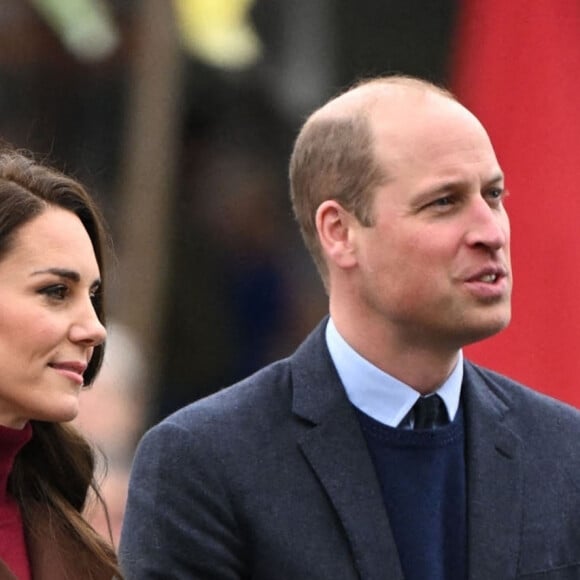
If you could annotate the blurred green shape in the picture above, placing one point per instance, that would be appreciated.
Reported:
(85, 27)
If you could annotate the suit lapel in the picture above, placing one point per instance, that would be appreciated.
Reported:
(494, 481)
(335, 448)
(337, 453)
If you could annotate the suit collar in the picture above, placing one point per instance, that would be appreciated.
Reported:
(494, 478)
(317, 390)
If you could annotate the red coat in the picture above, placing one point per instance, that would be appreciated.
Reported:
(52, 560)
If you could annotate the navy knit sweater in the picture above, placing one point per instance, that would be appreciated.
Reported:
(422, 476)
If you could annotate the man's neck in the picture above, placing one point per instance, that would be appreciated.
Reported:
(420, 365)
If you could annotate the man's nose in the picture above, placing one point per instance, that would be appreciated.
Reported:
(488, 226)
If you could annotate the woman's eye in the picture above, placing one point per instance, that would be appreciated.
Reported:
(95, 297)
(56, 292)
(95, 292)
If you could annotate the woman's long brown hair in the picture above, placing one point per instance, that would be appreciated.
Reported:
(55, 471)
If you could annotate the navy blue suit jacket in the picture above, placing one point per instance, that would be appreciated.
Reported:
(271, 479)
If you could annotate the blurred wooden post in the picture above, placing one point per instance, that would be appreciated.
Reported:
(147, 177)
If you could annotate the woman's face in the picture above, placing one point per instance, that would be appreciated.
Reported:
(48, 325)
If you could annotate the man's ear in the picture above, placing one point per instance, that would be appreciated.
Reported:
(334, 226)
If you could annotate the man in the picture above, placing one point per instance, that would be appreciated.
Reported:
(375, 451)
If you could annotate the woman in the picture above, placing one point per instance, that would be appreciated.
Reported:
(51, 344)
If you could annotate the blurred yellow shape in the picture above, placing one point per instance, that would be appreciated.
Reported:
(218, 31)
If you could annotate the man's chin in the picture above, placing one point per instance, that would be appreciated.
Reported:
(486, 330)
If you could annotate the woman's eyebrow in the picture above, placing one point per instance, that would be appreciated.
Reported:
(61, 272)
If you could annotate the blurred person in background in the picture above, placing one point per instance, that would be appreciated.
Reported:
(375, 450)
(52, 338)
(112, 417)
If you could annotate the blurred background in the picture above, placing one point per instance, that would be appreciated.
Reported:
(179, 116)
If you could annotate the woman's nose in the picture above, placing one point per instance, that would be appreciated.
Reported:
(88, 328)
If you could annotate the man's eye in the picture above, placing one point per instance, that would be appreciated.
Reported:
(446, 201)
(56, 292)
(496, 195)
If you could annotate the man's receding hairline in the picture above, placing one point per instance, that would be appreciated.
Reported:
(359, 100)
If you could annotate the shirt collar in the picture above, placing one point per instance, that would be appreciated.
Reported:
(378, 394)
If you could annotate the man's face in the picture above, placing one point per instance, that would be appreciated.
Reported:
(435, 265)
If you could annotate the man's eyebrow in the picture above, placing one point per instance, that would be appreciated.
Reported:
(495, 179)
(451, 184)
(61, 272)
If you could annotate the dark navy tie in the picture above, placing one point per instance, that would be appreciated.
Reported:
(429, 413)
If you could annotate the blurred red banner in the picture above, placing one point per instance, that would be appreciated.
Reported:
(516, 65)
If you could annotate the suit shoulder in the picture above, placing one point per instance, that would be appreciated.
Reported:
(265, 393)
(529, 403)
(227, 430)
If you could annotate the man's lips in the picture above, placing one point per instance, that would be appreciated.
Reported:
(488, 275)
(488, 283)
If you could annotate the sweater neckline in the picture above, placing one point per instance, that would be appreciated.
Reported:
(440, 437)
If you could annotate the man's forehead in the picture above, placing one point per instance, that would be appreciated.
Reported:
(383, 97)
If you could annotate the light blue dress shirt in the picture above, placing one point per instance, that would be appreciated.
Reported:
(378, 394)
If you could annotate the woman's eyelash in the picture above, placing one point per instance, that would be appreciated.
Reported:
(95, 294)
(56, 291)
